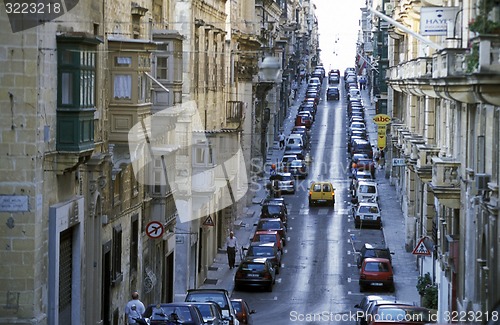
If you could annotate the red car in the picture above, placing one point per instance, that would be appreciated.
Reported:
(243, 311)
(268, 236)
(376, 272)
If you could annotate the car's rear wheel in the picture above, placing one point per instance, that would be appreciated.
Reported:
(270, 287)
(362, 288)
(391, 288)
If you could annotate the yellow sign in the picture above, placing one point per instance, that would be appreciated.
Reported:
(381, 135)
(382, 119)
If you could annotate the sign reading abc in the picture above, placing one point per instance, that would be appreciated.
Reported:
(382, 119)
(25, 15)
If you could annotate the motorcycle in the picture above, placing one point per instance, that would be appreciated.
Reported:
(139, 319)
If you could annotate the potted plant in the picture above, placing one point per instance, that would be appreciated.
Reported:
(428, 291)
(485, 22)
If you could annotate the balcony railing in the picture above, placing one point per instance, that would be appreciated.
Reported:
(425, 154)
(445, 172)
(485, 54)
(449, 63)
(234, 111)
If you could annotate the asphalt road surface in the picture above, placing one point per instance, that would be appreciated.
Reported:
(318, 282)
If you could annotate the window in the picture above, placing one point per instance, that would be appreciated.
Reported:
(203, 154)
(162, 67)
(117, 189)
(122, 86)
(117, 255)
(134, 243)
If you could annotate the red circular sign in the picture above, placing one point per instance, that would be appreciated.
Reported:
(154, 229)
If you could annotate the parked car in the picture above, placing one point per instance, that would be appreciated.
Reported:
(286, 182)
(220, 296)
(296, 139)
(255, 272)
(243, 311)
(301, 130)
(295, 149)
(279, 200)
(362, 146)
(369, 250)
(298, 168)
(387, 314)
(365, 303)
(321, 192)
(273, 224)
(332, 93)
(365, 164)
(274, 209)
(333, 79)
(212, 313)
(268, 236)
(373, 305)
(268, 250)
(367, 214)
(376, 272)
(174, 313)
(366, 191)
(303, 120)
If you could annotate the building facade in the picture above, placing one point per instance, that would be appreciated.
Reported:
(443, 97)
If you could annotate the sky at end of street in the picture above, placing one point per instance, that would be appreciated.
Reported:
(338, 24)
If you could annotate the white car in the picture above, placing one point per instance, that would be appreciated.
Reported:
(366, 191)
(367, 214)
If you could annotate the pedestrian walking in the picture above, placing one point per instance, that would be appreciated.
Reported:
(376, 157)
(231, 247)
(134, 309)
(281, 139)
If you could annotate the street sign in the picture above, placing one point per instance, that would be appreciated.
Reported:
(421, 249)
(398, 162)
(209, 221)
(154, 229)
(382, 119)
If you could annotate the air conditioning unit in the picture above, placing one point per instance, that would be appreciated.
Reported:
(482, 182)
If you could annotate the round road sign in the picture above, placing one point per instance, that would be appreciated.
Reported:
(154, 229)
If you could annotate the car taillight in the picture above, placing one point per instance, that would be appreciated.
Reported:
(267, 275)
(391, 278)
(362, 276)
(239, 274)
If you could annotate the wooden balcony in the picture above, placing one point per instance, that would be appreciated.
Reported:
(445, 182)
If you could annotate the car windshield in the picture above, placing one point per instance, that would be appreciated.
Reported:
(266, 238)
(377, 253)
(207, 297)
(376, 267)
(205, 310)
(271, 209)
(367, 189)
(237, 306)
(181, 313)
(398, 314)
(286, 178)
(260, 251)
(270, 225)
(368, 209)
(296, 164)
(253, 267)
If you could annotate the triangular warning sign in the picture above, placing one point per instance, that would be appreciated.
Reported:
(209, 221)
(421, 249)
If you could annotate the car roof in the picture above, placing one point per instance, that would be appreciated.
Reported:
(376, 260)
(321, 182)
(208, 290)
(260, 260)
(266, 232)
(263, 244)
(370, 204)
(269, 220)
(367, 182)
(372, 246)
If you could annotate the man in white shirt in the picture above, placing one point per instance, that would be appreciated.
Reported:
(231, 247)
(134, 309)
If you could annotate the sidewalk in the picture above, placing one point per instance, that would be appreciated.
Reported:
(219, 275)
(405, 266)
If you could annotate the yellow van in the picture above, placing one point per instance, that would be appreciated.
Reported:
(321, 192)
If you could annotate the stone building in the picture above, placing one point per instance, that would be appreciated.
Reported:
(444, 99)
(124, 116)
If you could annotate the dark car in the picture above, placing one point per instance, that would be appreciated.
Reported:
(295, 149)
(274, 209)
(173, 313)
(268, 250)
(255, 272)
(332, 93)
(211, 312)
(365, 164)
(273, 224)
(279, 200)
(369, 250)
(376, 272)
(362, 146)
(220, 296)
(243, 311)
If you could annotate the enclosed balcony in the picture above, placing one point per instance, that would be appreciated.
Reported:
(445, 181)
